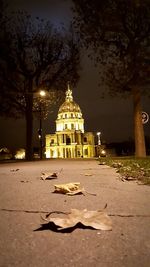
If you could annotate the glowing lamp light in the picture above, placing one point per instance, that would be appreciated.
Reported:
(99, 140)
(42, 93)
(20, 154)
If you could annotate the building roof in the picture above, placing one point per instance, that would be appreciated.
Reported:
(69, 104)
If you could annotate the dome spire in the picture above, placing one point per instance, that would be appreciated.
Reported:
(69, 96)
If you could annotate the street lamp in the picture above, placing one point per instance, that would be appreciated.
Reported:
(42, 94)
(99, 140)
(99, 143)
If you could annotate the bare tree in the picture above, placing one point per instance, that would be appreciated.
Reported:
(119, 33)
(38, 56)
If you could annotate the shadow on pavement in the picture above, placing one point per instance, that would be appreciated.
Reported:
(52, 227)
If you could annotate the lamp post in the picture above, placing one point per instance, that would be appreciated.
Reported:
(42, 94)
(99, 139)
(98, 143)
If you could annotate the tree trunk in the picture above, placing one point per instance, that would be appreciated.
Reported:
(140, 150)
(29, 127)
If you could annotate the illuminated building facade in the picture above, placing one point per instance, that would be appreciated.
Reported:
(70, 140)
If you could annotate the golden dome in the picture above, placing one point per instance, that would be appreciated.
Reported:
(69, 105)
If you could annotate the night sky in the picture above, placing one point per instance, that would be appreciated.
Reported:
(113, 117)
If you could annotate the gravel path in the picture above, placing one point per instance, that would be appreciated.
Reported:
(24, 197)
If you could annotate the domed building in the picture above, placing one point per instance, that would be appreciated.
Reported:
(70, 140)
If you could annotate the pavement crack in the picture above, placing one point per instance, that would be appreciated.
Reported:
(109, 214)
(129, 215)
(25, 211)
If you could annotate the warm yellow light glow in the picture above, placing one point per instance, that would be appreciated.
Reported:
(47, 154)
(99, 140)
(68, 140)
(42, 93)
(20, 154)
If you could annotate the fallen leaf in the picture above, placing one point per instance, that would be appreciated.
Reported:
(48, 175)
(117, 165)
(71, 189)
(76, 192)
(96, 219)
(128, 179)
(66, 188)
(102, 163)
(88, 174)
(14, 170)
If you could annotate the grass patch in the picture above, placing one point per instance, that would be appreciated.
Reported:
(130, 168)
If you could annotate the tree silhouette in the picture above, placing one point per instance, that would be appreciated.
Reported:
(34, 56)
(119, 33)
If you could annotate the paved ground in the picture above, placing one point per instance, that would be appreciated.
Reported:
(24, 197)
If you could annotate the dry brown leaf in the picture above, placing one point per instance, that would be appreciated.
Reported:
(96, 219)
(66, 188)
(76, 192)
(48, 175)
(71, 189)
(14, 170)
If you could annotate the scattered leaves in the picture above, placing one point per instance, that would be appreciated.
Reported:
(131, 168)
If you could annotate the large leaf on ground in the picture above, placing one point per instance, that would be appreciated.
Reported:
(96, 219)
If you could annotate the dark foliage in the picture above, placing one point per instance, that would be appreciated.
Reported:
(119, 33)
(34, 56)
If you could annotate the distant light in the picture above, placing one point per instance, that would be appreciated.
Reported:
(20, 154)
(103, 152)
(99, 140)
(42, 93)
